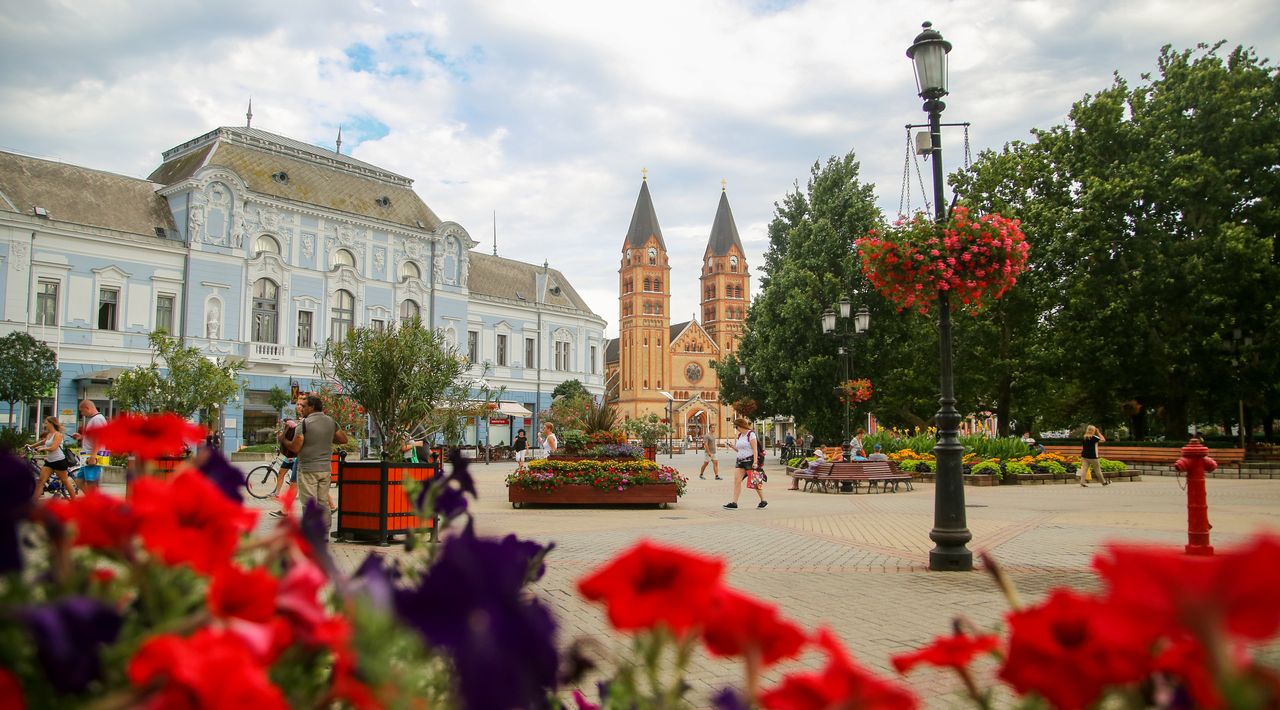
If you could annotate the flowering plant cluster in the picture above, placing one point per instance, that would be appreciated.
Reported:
(616, 451)
(977, 259)
(163, 601)
(855, 391)
(549, 474)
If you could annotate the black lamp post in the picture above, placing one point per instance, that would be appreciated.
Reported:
(950, 532)
(1235, 347)
(855, 324)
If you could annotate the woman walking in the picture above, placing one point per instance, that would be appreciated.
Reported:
(54, 458)
(1089, 455)
(746, 459)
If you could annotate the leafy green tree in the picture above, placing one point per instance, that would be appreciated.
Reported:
(28, 369)
(180, 379)
(399, 375)
(277, 399)
(570, 388)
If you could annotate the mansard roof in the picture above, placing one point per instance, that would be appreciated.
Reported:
(611, 350)
(281, 167)
(644, 221)
(499, 277)
(70, 193)
(724, 233)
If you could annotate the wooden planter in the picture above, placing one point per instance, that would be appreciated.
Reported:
(576, 457)
(372, 503)
(651, 453)
(164, 468)
(970, 479)
(659, 494)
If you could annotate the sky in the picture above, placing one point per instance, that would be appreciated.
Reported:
(539, 116)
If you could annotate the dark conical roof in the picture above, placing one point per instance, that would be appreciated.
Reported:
(644, 221)
(724, 233)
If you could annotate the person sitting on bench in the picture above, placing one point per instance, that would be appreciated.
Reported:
(820, 457)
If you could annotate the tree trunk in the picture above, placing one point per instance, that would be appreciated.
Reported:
(1004, 400)
(1175, 419)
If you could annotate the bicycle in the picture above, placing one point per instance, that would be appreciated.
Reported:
(261, 481)
(53, 485)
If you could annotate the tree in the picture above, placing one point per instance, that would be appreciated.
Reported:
(180, 380)
(277, 399)
(570, 388)
(399, 375)
(28, 369)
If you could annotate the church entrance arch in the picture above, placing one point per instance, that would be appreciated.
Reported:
(695, 423)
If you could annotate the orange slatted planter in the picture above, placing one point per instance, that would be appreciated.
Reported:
(372, 503)
(333, 468)
(657, 493)
(165, 468)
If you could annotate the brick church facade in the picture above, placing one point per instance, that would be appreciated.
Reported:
(652, 357)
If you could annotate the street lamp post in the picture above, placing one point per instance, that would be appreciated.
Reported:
(855, 325)
(670, 422)
(950, 532)
(1236, 346)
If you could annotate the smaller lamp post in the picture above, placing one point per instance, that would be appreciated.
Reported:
(670, 401)
(856, 324)
(1236, 346)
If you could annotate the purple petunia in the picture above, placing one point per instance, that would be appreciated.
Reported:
(17, 485)
(470, 603)
(222, 473)
(67, 634)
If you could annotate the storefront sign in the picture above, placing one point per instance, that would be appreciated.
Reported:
(499, 422)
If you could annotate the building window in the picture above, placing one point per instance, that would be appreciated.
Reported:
(409, 309)
(266, 245)
(344, 257)
(530, 359)
(108, 304)
(473, 346)
(593, 359)
(378, 324)
(410, 270)
(657, 285)
(304, 329)
(343, 317)
(648, 284)
(562, 356)
(47, 303)
(502, 350)
(266, 306)
(164, 313)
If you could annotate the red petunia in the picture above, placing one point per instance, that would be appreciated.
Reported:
(100, 521)
(956, 652)
(1234, 588)
(842, 684)
(11, 691)
(1186, 660)
(189, 521)
(149, 436)
(737, 625)
(235, 593)
(210, 670)
(650, 585)
(1101, 644)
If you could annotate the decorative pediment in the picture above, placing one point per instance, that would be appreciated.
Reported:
(267, 265)
(307, 302)
(111, 273)
(379, 312)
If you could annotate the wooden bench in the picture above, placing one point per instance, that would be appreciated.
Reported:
(1149, 454)
(872, 473)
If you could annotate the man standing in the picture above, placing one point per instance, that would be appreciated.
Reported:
(92, 454)
(709, 453)
(312, 443)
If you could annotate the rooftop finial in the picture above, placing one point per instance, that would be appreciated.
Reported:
(724, 184)
(339, 148)
(644, 174)
(495, 232)
(248, 115)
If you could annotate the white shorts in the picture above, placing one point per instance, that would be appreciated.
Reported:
(708, 456)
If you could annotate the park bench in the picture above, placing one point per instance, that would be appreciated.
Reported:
(1149, 454)
(872, 473)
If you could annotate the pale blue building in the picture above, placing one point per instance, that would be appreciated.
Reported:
(255, 246)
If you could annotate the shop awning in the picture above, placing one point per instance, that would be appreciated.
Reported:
(513, 409)
(260, 408)
(108, 375)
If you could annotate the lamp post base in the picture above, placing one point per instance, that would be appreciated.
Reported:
(951, 558)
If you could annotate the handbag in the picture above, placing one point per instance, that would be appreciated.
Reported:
(755, 479)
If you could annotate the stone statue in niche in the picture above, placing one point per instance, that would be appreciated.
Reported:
(379, 259)
(195, 222)
(237, 228)
(213, 320)
(437, 269)
(466, 266)
(308, 245)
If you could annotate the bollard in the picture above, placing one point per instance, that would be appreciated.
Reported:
(1195, 462)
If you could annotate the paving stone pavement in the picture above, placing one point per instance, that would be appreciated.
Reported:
(858, 562)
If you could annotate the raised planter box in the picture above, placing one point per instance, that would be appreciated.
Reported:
(372, 503)
(972, 479)
(659, 494)
(577, 457)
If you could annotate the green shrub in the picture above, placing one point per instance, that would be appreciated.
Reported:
(1052, 467)
(987, 467)
(1005, 448)
(574, 440)
(14, 440)
(1109, 466)
(885, 438)
(1015, 468)
(260, 448)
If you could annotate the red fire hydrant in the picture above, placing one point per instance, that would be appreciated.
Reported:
(1195, 462)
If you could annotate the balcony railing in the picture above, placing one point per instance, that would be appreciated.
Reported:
(270, 352)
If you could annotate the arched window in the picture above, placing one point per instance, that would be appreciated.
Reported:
(410, 270)
(647, 308)
(653, 256)
(266, 310)
(343, 315)
(657, 284)
(409, 309)
(627, 286)
(344, 257)
(648, 284)
(266, 245)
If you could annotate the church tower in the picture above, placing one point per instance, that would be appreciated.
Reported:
(644, 313)
(725, 281)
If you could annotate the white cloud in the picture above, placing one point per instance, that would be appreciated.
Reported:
(546, 112)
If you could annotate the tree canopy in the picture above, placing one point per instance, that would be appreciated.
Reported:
(180, 379)
(28, 369)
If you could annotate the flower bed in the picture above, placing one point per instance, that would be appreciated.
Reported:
(595, 481)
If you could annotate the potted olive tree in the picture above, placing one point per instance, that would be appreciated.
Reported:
(649, 430)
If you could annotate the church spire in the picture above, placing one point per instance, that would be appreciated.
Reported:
(338, 149)
(248, 115)
(644, 220)
(724, 232)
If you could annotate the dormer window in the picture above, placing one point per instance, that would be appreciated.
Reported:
(344, 257)
(266, 245)
(410, 270)
(281, 177)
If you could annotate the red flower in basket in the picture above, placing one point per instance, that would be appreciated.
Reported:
(189, 521)
(100, 521)
(652, 584)
(947, 652)
(738, 625)
(209, 669)
(150, 436)
(842, 684)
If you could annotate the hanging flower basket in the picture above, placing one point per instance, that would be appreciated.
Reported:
(976, 258)
(855, 391)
